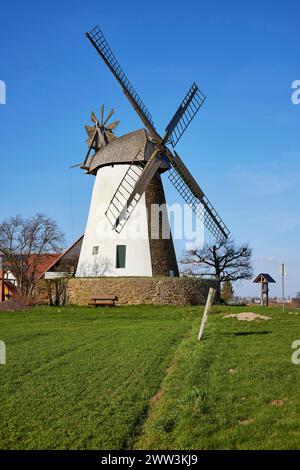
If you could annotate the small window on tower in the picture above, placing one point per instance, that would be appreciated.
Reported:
(95, 250)
(121, 256)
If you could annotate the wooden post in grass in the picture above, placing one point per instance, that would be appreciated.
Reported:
(209, 302)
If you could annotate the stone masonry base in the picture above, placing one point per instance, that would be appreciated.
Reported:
(137, 290)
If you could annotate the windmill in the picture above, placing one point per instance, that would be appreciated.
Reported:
(146, 157)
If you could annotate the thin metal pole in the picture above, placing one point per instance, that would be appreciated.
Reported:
(282, 283)
(71, 204)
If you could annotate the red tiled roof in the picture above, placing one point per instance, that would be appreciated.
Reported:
(44, 262)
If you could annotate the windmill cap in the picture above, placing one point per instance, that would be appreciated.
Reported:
(123, 150)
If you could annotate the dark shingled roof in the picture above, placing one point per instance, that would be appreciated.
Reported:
(70, 255)
(265, 277)
(123, 150)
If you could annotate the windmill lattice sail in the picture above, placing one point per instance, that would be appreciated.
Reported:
(131, 188)
(184, 115)
(138, 176)
(193, 195)
(101, 45)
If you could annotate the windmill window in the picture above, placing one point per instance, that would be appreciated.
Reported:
(120, 256)
(95, 250)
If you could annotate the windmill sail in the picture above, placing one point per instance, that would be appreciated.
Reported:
(139, 174)
(131, 188)
(193, 195)
(101, 45)
(186, 112)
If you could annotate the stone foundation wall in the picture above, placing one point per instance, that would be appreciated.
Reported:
(138, 290)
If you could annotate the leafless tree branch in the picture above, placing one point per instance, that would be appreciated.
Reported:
(23, 241)
(224, 261)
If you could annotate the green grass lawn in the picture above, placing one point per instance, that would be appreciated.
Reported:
(79, 378)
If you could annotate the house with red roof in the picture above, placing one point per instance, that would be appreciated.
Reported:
(46, 265)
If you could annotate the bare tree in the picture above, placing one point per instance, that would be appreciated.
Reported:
(223, 261)
(57, 289)
(23, 241)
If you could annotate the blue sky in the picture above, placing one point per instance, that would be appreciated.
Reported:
(243, 147)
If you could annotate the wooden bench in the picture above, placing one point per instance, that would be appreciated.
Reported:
(103, 300)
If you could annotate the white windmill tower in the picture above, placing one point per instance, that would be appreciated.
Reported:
(128, 181)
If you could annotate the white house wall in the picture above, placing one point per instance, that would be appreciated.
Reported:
(100, 233)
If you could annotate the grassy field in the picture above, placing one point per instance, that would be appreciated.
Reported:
(135, 377)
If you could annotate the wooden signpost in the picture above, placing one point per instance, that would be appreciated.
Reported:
(264, 279)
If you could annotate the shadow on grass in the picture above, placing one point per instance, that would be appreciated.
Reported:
(248, 333)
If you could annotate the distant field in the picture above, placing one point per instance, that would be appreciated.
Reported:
(79, 378)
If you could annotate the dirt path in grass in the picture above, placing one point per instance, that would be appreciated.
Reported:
(155, 399)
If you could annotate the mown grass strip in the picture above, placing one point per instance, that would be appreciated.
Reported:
(76, 378)
(236, 390)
